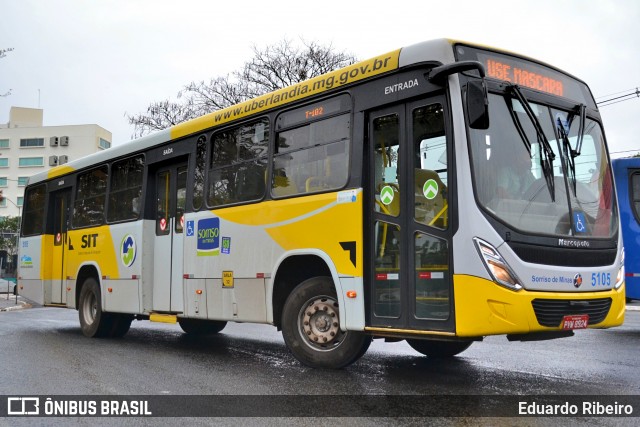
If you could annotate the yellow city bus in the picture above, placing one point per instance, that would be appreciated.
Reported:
(438, 193)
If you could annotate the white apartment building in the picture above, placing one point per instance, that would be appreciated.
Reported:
(27, 147)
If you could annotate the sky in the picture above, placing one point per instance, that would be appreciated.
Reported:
(97, 61)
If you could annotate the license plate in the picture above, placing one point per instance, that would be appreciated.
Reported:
(580, 321)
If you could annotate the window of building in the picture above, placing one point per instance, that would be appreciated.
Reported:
(4, 182)
(20, 201)
(238, 164)
(3, 203)
(125, 193)
(4, 143)
(90, 198)
(23, 181)
(33, 215)
(104, 144)
(29, 161)
(4, 162)
(31, 142)
(313, 157)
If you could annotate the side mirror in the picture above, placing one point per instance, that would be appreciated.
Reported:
(477, 104)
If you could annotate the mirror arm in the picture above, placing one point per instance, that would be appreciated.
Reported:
(439, 74)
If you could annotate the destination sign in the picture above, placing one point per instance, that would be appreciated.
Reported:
(521, 75)
(527, 73)
(314, 111)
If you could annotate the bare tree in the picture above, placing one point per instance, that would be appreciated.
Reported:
(271, 68)
(3, 53)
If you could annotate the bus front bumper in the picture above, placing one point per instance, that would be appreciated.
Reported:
(485, 308)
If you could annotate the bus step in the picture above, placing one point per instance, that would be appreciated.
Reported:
(163, 318)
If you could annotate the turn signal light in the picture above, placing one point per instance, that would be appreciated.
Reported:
(497, 266)
(351, 294)
(199, 291)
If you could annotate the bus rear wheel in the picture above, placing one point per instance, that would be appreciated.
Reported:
(311, 327)
(120, 325)
(439, 349)
(201, 327)
(94, 322)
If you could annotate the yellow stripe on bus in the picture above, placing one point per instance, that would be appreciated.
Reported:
(291, 224)
(59, 171)
(353, 73)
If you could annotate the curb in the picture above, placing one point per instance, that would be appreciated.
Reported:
(21, 305)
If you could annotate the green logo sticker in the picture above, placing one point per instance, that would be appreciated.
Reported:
(386, 195)
(128, 250)
(430, 189)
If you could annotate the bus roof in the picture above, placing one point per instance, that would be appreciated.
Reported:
(439, 50)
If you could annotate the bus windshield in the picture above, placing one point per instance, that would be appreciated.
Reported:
(569, 193)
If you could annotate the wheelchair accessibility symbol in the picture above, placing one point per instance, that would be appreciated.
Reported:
(190, 228)
(579, 222)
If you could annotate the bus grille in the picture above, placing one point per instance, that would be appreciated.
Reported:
(564, 256)
(550, 312)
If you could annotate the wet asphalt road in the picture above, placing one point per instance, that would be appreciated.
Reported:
(43, 352)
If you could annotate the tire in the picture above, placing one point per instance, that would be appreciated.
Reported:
(120, 325)
(439, 349)
(201, 327)
(93, 321)
(311, 327)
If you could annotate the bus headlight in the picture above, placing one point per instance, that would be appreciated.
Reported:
(620, 275)
(497, 266)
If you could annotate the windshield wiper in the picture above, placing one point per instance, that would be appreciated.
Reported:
(569, 157)
(519, 128)
(582, 110)
(570, 153)
(546, 152)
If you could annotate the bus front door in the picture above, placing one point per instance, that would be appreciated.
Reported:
(410, 227)
(60, 203)
(170, 192)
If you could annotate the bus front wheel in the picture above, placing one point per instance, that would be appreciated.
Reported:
(439, 349)
(311, 327)
(93, 321)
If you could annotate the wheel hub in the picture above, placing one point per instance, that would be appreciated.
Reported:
(320, 321)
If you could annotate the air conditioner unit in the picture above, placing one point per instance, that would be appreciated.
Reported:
(63, 159)
(53, 141)
(53, 160)
(64, 141)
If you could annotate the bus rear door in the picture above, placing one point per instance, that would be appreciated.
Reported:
(60, 205)
(170, 196)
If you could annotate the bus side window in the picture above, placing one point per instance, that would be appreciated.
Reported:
(90, 199)
(238, 164)
(126, 189)
(312, 158)
(33, 222)
(199, 172)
